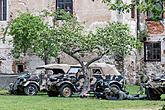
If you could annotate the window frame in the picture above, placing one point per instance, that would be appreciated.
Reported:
(64, 3)
(78, 69)
(18, 65)
(146, 59)
(4, 17)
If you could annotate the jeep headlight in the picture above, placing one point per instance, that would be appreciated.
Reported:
(11, 85)
(24, 80)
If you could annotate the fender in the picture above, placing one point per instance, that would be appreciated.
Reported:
(31, 82)
(66, 82)
(115, 82)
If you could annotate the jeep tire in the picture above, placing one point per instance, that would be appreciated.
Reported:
(151, 95)
(31, 89)
(65, 90)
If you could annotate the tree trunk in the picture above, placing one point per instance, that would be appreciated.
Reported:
(119, 63)
(46, 60)
(86, 85)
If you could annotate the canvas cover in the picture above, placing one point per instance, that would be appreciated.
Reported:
(107, 69)
(64, 67)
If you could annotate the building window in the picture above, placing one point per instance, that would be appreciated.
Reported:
(152, 51)
(20, 68)
(3, 10)
(66, 5)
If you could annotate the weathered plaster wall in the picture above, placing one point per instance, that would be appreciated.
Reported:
(91, 12)
(6, 59)
(8, 65)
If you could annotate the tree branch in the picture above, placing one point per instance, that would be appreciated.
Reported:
(97, 58)
(5, 32)
(75, 51)
(73, 56)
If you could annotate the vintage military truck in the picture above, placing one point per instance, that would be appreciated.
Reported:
(155, 87)
(25, 84)
(66, 79)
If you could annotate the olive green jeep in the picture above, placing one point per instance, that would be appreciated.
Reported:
(68, 79)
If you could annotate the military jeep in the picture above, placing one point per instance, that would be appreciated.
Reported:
(155, 87)
(67, 79)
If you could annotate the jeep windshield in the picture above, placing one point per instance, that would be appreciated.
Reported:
(74, 70)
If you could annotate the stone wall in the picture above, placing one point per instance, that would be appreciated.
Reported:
(6, 59)
(91, 12)
(5, 80)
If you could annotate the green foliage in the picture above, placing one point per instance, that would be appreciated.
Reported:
(70, 34)
(163, 107)
(60, 15)
(72, 37)
(151, 6)
(118, 5)
(25, 29)
(30, 32)
(116, 37)
(46, 46)
(63, 15)
(142, 36)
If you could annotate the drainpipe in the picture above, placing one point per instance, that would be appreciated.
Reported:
(138, 20)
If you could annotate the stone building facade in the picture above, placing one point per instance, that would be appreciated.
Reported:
(92, 13)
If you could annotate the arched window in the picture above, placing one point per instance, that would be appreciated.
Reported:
(66, 5)
(3, 10)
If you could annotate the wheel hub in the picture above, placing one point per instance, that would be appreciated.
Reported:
(31, 90)
(67, 92)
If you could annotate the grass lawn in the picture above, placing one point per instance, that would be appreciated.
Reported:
(43, 102)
